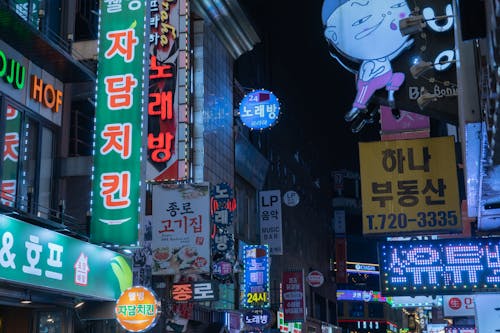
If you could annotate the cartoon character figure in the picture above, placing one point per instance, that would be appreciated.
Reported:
(367, 32)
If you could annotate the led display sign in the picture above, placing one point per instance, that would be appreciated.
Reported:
(259, 109)
(256, 279)
(439, 266)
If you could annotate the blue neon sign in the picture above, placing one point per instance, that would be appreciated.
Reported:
(259, 109)
(439, 267)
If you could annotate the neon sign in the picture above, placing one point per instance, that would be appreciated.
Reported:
(259, 109)
(440, 266)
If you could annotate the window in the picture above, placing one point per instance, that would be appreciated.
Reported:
(27, 168)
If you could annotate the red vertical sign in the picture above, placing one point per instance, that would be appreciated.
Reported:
(293, 296)
(341, 259)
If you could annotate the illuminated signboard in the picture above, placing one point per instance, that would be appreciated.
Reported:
(447, 266)
(259, 109)
(362, 295)
(410, 186)
(256, 279)
(137, 309)
(194, 292)
(118, 123)
(169, 82)
(367, 41)
(288, 327)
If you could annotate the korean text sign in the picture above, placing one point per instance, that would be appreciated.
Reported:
(256, 278)
(270, 220)
(293, 296)
(409, 186)
(181, 229)
(118, 123)
(168, 98)
(37, 256)
(438, 267)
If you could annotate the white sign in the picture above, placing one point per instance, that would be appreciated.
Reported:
(458, 305)
(315, 279)
(487, 312)
(291, 198)
(270, 221)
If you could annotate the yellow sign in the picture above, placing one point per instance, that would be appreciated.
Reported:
(137, 309)
(409, 186)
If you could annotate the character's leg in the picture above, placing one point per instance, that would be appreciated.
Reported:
(396, 81)
(365, 92)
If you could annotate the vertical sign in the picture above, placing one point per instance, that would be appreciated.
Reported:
(293, 296)
(10, 156)
(167, 141)
(256, 279)
(181, 229)
(118, 123)
(222, 206)
(410, 186)
(341, 260)
(270, 220)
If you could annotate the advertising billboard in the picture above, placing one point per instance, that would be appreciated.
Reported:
(118, 123)
(439, 267)
(181, 229)
(409, 187)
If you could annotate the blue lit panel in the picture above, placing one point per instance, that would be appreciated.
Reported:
(439, 267)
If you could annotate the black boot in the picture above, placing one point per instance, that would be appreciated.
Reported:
(353, 113)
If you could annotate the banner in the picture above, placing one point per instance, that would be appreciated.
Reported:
(270, 221)
(181, 229)
(293, 296)
(118, 123)
(409, 187)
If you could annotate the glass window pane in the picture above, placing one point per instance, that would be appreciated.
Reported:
(46, 170)
(50, 322)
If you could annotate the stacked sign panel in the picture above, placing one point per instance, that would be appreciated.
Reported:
(118, 123)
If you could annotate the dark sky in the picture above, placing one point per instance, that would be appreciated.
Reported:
(314, 90)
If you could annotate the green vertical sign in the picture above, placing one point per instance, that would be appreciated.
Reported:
(118, 125)
(41, 257)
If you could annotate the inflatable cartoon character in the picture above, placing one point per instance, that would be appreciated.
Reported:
(367, 32)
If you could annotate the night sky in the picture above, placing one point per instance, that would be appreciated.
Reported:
(314, 90)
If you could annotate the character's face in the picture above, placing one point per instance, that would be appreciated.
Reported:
(367, 29)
